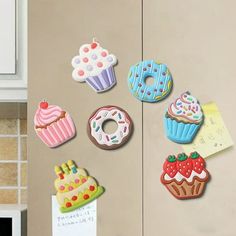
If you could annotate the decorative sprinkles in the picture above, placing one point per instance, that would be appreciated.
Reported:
(186, 106)
(103, 139)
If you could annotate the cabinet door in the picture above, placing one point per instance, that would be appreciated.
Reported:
(196, 39)
(7, 37)
(56, 31)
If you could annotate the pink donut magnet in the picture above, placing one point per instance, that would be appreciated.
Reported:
(94, 65)
(53, 125)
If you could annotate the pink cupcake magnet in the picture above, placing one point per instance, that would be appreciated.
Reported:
(53, 125)
(94, 65)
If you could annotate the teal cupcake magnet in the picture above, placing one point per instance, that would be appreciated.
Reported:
(183, 119)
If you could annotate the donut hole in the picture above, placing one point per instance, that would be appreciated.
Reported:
(149, 80)
(109, 126)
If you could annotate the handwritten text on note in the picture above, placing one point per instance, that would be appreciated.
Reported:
(82, 221)
(213, 135)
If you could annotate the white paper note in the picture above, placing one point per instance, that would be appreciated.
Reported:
(213, 136)
(81, 222)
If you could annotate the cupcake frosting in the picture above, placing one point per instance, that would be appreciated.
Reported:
(46, 114)
(186, 108)
(178, 177)
(91, 61)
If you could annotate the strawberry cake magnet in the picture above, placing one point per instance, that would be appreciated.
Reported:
(94, 65)
(53, 125)
(185, 177)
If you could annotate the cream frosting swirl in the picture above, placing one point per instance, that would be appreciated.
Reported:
(186, 107)
(91, 61)
(46, 115)
(178, 177)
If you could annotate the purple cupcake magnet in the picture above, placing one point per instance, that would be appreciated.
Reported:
(94, 65)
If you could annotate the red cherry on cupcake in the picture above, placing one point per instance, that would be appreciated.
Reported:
(93, 45)
(43, 105)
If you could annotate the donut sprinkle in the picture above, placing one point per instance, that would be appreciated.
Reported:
(109, 113)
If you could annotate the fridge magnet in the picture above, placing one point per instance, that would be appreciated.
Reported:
(94, 65)
(183, 119)
(162, 81)
(53, 125)
(109, 141)
(185, 177)
(75, 188)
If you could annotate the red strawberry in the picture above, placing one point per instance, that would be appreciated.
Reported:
(170, 166)
(198, 162)
(184, 165)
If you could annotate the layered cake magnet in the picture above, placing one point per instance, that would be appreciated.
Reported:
(75, 188)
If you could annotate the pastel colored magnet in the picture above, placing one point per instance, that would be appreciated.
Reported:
(183, 119)
(94, 65)
(53, 125)
(75, 188)
(155, 92)
(116, 139)
(185, 177)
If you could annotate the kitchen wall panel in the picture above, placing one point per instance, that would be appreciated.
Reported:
(56, 31)
(196, 39)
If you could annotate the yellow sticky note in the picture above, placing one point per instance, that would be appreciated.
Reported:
(213, 136)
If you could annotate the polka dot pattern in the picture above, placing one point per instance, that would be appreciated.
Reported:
(150, 93)
(91, 61)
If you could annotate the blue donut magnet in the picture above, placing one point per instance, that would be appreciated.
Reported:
(161, 87)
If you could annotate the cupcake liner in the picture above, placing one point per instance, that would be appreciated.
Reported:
(186, 190)
(180, 132)
(58, 132)
(104, 81)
